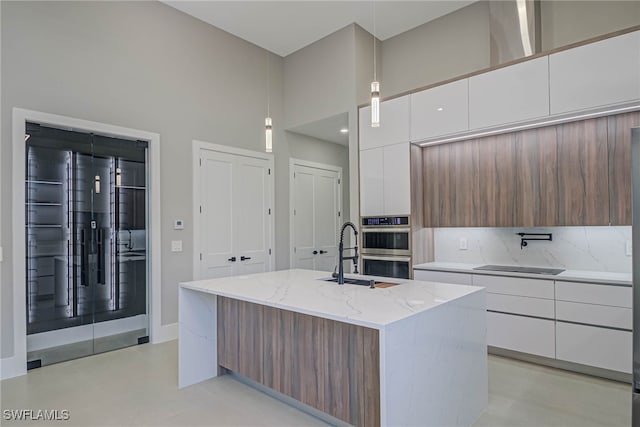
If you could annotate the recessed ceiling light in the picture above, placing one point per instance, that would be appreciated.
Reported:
(344, 130)
(439, 108)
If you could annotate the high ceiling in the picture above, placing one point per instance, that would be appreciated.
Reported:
(283, 27)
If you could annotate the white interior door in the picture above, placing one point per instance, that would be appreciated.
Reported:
(235, 209)
(216, 214)
(251, 212)
(315, 201)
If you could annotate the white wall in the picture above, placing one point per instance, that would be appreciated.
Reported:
(146, 66)
(572, 248)
(320, 79)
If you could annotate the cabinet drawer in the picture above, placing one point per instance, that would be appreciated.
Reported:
(601, 315)
(593, 346)
(519, 333)
(521, 305)
(515, 286)
(442, 276)
(617, 296)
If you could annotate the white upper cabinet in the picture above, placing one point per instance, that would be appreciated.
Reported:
(598, 74)
(385, 187)
(371, 181)
(440, 110)
(510, 94)
(396, 181)
(394, 124)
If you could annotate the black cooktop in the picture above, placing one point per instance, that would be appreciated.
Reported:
(516, 269)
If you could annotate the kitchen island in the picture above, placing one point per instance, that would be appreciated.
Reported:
(411, 354)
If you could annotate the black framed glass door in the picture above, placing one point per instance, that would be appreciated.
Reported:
(86, 260)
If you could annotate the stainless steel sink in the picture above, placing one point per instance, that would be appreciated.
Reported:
(348, 281)
(517, 269)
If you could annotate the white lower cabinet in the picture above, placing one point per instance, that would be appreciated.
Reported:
(594, 346)
(521, 333)
(585, 323)
(442, 276)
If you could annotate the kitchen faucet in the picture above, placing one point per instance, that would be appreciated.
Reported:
(341, 249)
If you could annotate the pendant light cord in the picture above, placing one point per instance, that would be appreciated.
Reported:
(268, 94)
(374, 41)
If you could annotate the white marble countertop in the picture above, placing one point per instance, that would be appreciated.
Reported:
(302, 292)
(603, 277)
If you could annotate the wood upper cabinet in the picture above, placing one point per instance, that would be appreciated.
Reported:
(497, 191)
(536, 174)
(595, 75)
(619, 145)
(450, 180)
(394, 124)
(583, 184)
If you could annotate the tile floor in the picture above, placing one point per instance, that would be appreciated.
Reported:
(138, 386)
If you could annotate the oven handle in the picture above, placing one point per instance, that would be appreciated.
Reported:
(386, 230)
(387, 258)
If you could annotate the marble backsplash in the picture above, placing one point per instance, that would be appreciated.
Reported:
(572, 248)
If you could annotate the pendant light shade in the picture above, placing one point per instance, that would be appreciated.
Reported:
(268, 142)
(375, 104)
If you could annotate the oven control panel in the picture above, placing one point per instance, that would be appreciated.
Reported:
(376, 221)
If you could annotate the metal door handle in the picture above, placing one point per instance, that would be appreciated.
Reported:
(243, 258)
(322, 252)
(315, 252)
(232, 259)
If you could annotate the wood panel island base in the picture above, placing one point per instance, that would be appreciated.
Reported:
(413, 354)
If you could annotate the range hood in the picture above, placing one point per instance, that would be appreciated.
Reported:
(514, 28)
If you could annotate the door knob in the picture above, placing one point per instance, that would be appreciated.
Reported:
(243, 258)
(315, 252)
(322, 252)
(232, 259)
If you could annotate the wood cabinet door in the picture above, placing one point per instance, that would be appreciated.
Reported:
(583, 184)
(432, 180)
(450, 184)
(496, 183)
(619, 145)
(536, 177)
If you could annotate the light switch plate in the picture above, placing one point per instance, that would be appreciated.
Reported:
(176, 246)
(463, 245)
(628, 248)
(178, 224)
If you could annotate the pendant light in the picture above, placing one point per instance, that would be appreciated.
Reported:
(375, 84)
(268, 125)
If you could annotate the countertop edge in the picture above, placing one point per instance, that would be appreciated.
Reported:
(558, 277)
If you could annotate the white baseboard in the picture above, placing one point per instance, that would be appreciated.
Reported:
(12, 367)
(166, 333)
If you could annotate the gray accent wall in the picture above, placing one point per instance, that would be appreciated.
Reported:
(147, 66)
(566, 22)
(450, 46)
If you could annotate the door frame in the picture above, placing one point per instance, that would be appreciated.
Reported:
(16, 365)
(315, 165)
(198, 146)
